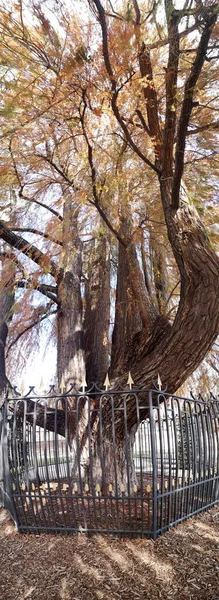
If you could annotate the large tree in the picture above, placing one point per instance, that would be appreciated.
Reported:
(111, 135)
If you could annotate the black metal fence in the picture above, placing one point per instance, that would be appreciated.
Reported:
(125, 462)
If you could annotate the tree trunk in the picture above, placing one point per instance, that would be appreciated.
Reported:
(108, 458)
(159, 273)
(97, 312)
(6, 306)
(135, 314)
(70, 353)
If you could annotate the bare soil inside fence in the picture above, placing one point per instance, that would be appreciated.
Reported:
(183, 564)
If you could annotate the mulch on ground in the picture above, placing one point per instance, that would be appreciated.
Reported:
(182, 564)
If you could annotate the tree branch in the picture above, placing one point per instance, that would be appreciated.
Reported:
(36, 322)
(150, 95)
(36, 232)
(115, 91)
(47, 290)
(211, 17)
(143, 122)
(57, 169)
(137, 12)
(171, 88)
(52, 210)
(96, 201)
(29, 250)
(214, 125)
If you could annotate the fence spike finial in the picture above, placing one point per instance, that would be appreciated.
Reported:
(106, 384)
(159, 382)
(83, 384)
(130, 381)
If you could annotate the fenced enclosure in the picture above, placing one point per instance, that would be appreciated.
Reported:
(125, 462)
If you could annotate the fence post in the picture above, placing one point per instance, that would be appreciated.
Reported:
(154, 463)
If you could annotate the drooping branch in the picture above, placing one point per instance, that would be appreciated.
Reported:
(187, 105)
(29, 327)
(29, 250)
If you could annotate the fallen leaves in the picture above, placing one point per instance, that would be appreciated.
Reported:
(180, 565)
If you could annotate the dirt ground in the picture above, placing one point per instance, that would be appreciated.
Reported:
(181, 564)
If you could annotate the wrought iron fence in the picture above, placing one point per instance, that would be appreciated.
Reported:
(125, 462)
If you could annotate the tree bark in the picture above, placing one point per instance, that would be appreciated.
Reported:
(70, 346)
(97, 312)
(6, 306)
(159, 273)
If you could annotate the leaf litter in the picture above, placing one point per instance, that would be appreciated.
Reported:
(183, 564)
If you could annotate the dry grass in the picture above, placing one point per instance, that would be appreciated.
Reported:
(182, 564)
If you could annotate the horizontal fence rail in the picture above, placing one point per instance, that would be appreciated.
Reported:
(125, 462)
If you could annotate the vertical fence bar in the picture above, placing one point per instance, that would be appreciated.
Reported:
(212, 451)
(173, 401)
(193, 454)
(161, 474)
(7, 494)
(16, 493)
(80, 403)
(102, 462)
(154, 463)
(215, 409)
(46, 446)
(127, 457)
(168, 497)
(140, 459)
